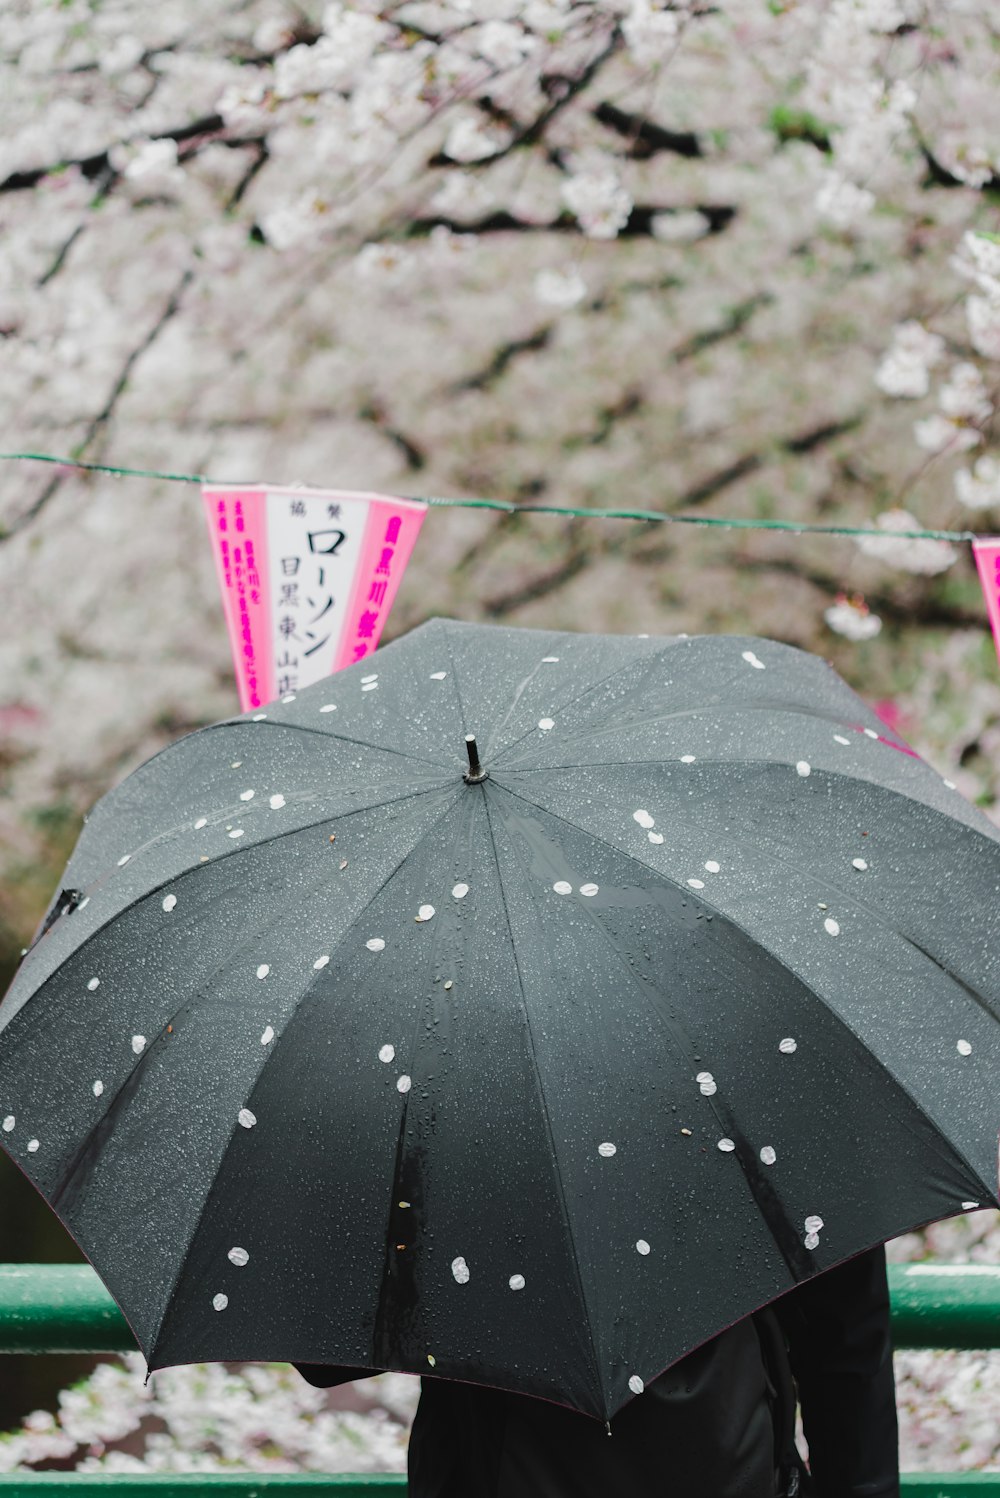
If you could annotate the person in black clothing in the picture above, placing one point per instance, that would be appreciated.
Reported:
(718, 1424)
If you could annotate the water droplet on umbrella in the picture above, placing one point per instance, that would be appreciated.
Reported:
(220, 1302)
(696, 883)
(813, 1224)
(246, 1118)
(768, 1155)
(138, 1044)
(839, 739)
(607, 1149)
(588, 889)
(375, 944)
(247, 795)
(32, 1146)
(169, 902)
(641, 1246)
(726, 1146)
(516, 1282)
(238, 1256)
(460, 1270)
(712, 866)
(124, 860)
(964, 1048)
(459, 891)
(753, 660)
(328, 707)
(425, 913)
(687, 759)
(98, 1088)
(387, 1053)
(403, 1083)
(643, 818)
(201, 822)
(811, 1240)
(438, 675)
(562, 888)
(804, 768)
(788, 1046)
(636, 1384)
(859, 863)
(870, 733)
(8, 1123)
(93, 984)
(831, 926)
(267, 1036)
(546, 723)
(263, 970)
(655, 837)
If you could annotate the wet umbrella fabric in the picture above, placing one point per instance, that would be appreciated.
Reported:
(537, 1082)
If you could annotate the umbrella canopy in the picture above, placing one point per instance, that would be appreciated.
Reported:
(335, 1050)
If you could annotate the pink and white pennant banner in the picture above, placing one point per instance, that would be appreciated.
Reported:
(308, 577)
(986, 551)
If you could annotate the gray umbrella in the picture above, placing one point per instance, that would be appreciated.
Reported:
(535, 1067)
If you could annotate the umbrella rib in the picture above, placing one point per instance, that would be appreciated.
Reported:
(271, 1051)
(766, 705)
(199, 993)
(593, 687)
(838, 1018)
(196, 868)
(846, 775)
(543, 1101)
(341, 738)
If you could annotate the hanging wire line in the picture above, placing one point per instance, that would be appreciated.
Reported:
(510, 507)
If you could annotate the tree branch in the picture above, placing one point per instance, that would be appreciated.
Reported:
(646, 138)
(98, 422)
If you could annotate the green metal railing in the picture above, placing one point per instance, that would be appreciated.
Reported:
(64, 1308)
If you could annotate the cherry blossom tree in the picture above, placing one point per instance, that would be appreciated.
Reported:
(719, 260)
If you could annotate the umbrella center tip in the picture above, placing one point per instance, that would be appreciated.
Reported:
(475, 774)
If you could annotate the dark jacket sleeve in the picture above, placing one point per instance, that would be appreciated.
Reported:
(840, 1346)
(327, 1375)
